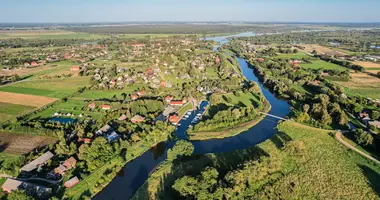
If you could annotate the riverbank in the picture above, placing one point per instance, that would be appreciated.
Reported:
(230, 132)
(98, 180)
(295, 152)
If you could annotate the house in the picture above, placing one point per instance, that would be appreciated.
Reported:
(70, 163)
(123, 117)
(33, 64)
(174, 119)
(72, 182)
(74, 68)
(137, 119)
(104, 130)
(11, 185)
(184, 100)
(112, 82)
(134, 97)
(176, 103)
(92, 105)
(106, 107)
(112, 136)
(85, 140)
(324, 73)
(168, 98)
(374, 123)
(260, 59)
(163, 83)
(26, 64)
(43, 159)
(140, 93)
(217, 60)
(138, 46)
(363, 114)
(366, 120)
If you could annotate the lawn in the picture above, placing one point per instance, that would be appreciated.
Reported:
(320, 64)
(309, 164)
(184, 109)
(14, 109)
(56, 88)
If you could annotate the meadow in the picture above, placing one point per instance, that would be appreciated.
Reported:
(320, 64)
(56, 88)
(14, 109)
(297, 55)
(362, 84)
(310, 164)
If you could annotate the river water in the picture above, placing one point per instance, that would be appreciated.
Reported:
(136, 172)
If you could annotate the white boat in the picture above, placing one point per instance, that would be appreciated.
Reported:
(189, 113)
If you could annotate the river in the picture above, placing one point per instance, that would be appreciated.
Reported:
(136, 172)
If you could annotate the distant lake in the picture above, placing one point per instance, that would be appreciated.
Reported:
(62, 120)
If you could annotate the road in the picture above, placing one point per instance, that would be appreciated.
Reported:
(338, 136)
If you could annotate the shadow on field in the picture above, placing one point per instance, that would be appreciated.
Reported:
(3, 146)
(280, 138)
(372, 177)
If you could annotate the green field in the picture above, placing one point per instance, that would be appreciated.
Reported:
(320, 64)
(49, 35)
(108, 94)
(246, 98)
(14, 109)
(56, 88)
(297, 55)
(299, 162)
(70, 106)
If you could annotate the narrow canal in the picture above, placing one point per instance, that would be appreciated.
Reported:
(136, 172)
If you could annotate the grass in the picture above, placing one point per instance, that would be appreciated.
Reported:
(108, 94)
(43, 34)
(322, 169)
(14, 109)
(297, 55)
(184, 109)
(56, 88)
(246, 99)
(70, 106)
(318, 64)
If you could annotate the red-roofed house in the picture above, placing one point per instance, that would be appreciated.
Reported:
(74, 68)
(34, 64)
(137, 119)
(140, 93)
(184, 100)
(106, 107)
(85, 140)
(176, 103)
(217, 60)
(174, 119)
(260, 59)
(92, 105)
(136, 46)
(163, 83)
(134, 97)
(168, 98)
(72, 182)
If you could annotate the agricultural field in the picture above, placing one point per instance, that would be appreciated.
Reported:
(55, 88)
(362, 84)
(51, 69)
(24, 99)
(322, 49)
(298, 55)
(14, 109)
(47, 34)
(369, 66)
(320, 64)
(20, 144)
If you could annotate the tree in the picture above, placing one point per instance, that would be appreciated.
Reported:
(19, 195)
(181, 148)
(363, 138)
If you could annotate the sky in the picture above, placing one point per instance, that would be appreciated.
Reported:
(80, 11)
